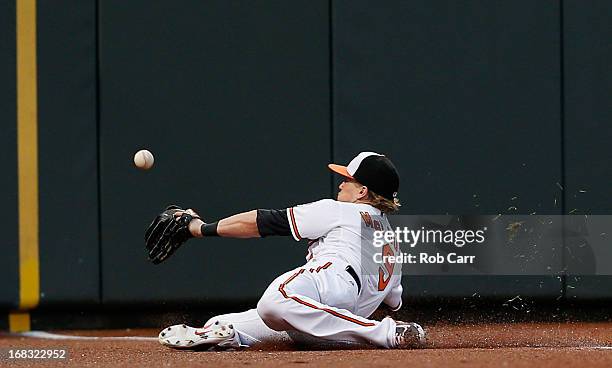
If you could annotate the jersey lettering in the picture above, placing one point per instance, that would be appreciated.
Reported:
(367, 219)
(377, 225)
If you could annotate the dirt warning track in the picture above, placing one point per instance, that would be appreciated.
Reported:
(485, 345)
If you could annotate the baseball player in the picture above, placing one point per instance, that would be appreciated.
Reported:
(332, 295)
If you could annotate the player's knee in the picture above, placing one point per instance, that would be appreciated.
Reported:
(270, 311)
(266, 308)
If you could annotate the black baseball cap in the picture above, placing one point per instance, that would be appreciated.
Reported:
(373, 170)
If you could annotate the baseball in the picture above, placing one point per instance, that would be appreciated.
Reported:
(143, 159)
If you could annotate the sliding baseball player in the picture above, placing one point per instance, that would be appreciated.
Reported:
(331, 297)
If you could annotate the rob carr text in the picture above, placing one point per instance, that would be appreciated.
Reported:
(424, 258)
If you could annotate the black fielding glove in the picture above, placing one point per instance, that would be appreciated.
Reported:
(167, 233)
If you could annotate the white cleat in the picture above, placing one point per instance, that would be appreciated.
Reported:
(185, 337)
(409, 335)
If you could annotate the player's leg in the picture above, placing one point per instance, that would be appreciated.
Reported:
(232, 330)
(249, 329)
(318, 300)
(221, 330)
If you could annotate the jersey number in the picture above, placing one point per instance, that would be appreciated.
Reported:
(382, 282)
(386, 252)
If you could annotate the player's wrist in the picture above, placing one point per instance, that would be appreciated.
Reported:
(195, 227)
(208, 230)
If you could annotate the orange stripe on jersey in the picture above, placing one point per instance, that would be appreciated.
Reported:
(292, 277)
(325, 266)
(297, 233)
(334, 313)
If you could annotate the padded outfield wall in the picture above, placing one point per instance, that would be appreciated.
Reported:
(244, 105)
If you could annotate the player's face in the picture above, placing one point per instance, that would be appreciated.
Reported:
(350, 191)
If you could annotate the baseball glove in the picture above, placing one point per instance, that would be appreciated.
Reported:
(167, 233)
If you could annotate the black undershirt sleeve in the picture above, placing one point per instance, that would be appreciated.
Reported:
(273, 222)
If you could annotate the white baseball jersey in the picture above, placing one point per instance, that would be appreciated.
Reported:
(345, 231)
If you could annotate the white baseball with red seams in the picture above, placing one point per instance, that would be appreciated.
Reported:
(144, 159)
(321, 299)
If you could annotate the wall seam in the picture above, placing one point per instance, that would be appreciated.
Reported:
(98, 153)
(331, 94)
(562, 125)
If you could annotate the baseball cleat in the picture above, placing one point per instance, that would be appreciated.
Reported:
(409, 335)
(185, 337)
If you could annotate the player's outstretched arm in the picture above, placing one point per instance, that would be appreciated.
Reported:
(251, 224)
(242, 225)
(308, 221)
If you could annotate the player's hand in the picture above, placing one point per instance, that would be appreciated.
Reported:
(195, 226)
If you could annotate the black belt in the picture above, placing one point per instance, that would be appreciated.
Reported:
(353, 274)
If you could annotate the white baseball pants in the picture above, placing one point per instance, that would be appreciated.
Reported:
(318, 300)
